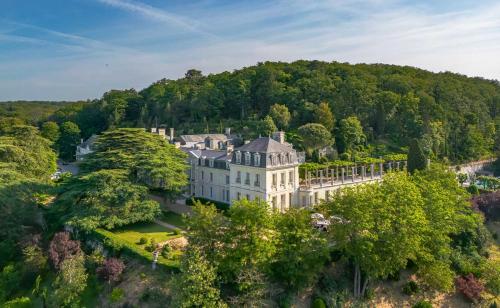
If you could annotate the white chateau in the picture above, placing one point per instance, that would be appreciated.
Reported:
(265, 168)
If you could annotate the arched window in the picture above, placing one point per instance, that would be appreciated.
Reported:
(247, 158)
(238, 157)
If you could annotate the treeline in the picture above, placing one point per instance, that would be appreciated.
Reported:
(453, 116)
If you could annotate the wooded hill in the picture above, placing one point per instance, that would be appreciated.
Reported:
(454, 116)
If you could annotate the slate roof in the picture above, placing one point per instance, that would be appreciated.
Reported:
(265, 145)
(202, 137)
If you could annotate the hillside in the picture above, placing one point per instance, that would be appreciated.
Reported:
(455, 117)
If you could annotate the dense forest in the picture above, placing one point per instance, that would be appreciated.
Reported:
(455, 117)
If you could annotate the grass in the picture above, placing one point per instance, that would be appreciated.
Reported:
(173, 219)
(132, 234)
(127, 238)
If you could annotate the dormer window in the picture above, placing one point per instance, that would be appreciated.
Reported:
(274, 159)
(211, 163)
(287, 158)
(247, 158)
(256, 159)
(238, 157)
(202, 161)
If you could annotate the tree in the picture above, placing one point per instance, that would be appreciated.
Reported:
(147, 158)
(301, 251)
(416, 157)
(111, 270)
(324, 116)
(196, 284)
(350, 135)
(26, 152)
(378, 234)
(61, 248)
(70, 138)
(267, 126)
(105, 198)
(280, 115)
(50, 130)
(315, 136)
(70, 282)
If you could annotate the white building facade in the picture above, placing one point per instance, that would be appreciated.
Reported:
(266, 169)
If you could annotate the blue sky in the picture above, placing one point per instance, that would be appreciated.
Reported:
(78, 49)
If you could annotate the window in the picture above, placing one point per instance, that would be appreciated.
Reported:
(256, 159)
(290, 177)
(304, 200)
(282, 178)
(274, 159)
(283, 201)
(238, 196)
(275, 179)
(202, 190)
(202, 175)
(211, 177)
(227, 179)
(211, 192)
(211, 163)
(316, 199)
(202, 161)
(227, 195)
(275, 201)
(257, 180)
(238, 177)
(290, 200)
(247, 179)
(238, 157)
(247, 158)
(248, 197)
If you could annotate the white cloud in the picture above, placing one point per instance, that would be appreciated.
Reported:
(466, 41)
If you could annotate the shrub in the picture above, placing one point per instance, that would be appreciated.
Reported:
(62, 247)
(219, 205)
(473, 189)
(116, 295)
(165, 251)
(177, 231)
(142, 241)
(152, 245)
(318, 303)
(369, 294)
(410, 288)
(111, 270)
(422, 304)
(20, 302)
(470, 287)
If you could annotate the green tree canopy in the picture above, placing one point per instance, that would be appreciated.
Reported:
(350, 134)
(105, 198)
(267, 126)
(147, 158)
(280, 115)
(324, 116)
(416, 157)
(69, 139)
(50, 130)
(314, 136)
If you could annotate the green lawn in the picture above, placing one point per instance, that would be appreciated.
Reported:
(132, 234)
(173, 219)
(129, 237)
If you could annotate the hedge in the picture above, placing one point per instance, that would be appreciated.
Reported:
(219, 205)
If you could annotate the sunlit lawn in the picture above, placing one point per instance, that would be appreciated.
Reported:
(132, 234)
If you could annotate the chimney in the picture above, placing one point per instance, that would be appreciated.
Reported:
(153, 130)
(171, 134)
(229, 149)
(228, 131)
(161, 132)
(81, 140)
(279, 136)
